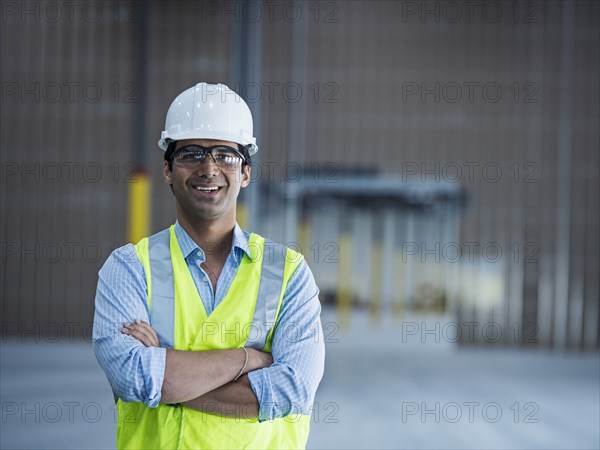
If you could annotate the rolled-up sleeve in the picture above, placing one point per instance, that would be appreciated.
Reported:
(135, 372)
(289, 385)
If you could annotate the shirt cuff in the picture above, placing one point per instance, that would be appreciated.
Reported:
(260, 382)
(154, 362)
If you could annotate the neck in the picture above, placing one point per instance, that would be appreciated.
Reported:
(214, 237)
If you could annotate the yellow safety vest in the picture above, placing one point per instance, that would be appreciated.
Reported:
(245, 317)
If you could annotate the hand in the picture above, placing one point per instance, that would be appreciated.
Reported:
(141, 331)
(258, 360)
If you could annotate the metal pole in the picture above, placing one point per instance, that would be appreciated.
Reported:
(139, 188)
(563, 206)
(297, 127)
(246, 63)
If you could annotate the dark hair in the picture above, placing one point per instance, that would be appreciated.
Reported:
(171, 150)
(169, 154)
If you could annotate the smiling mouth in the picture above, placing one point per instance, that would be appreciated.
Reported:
(207, 190)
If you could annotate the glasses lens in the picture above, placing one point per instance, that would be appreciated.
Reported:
(190, 155)
(222, 155)
(226, 156)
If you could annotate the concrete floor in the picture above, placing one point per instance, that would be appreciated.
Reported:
(378, 392)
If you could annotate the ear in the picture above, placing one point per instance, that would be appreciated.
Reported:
(246, 176)
(167, 173)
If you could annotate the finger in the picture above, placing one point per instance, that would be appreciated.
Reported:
(146, 333)
(125, 329)
(139, 333)
(142, 332)
(149, 332)
(131, 331)
(152, 331)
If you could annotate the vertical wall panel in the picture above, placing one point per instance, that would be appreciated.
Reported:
(367, 54)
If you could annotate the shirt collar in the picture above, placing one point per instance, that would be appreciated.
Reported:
(240, 243)
(187, 245)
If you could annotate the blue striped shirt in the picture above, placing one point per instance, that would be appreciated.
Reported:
(136, 373)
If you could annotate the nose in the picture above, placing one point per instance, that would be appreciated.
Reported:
(207, 166)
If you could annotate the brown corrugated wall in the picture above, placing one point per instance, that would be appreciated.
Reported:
(70, 98)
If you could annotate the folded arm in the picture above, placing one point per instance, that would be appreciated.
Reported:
(189, 375)
(150, 374)
(288, 385)
(233, 399)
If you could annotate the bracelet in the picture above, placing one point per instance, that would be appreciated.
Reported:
(244, 366)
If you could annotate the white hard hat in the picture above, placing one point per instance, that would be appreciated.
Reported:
(209, 111)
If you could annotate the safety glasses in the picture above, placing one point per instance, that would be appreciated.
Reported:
(223, 156)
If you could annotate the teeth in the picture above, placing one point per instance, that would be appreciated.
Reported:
(206, 189)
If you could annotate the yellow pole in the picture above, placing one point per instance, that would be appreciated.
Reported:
(376, 282)
(399, 285)
(241, 215)
(139, 207)
(344, 293)
(303, 236)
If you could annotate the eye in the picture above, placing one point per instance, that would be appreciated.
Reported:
(225, 155)
(191, 156)
(222, 156)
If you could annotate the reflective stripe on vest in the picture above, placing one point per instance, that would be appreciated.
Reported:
(163, 291)
(271, 283)
(163, 288)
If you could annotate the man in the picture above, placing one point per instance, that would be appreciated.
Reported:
(209, 336)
